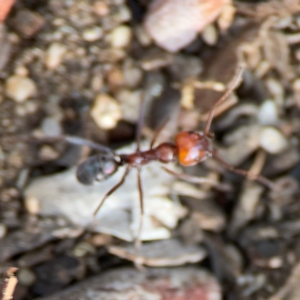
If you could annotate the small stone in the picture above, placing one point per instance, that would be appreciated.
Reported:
(51, 127)
(97, 82)
(92, 34)
(130, 103)
(32, 205)
(101, 8)
(26, 276)
(48, 153)
(124, 14)
(120, 37)
(115, 78)
(83, 249)
(54, 55)
(133, 76)
(272, 140)
(210, 35)
(28, 23)
(20, 88)
(268, 113)
(21, 71)
(142, 35)
(3, 230)
(106, 111)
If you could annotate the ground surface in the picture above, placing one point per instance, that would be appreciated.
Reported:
(81, 68)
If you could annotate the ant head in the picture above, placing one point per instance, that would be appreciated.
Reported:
(96, 168)
(193, 147)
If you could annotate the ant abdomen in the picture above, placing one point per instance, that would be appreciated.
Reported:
(96, 168)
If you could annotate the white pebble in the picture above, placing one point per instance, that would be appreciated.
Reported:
(92, 34)
(120, 37)
(272, 140)
(268, 113)
(106, 111)
(51, 127)
(54, 55)
(20, 88)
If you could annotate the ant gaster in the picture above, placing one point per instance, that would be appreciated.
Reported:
(189, 148)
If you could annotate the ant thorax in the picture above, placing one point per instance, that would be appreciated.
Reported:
(193, 147)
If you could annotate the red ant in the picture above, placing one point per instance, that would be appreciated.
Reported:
(189, 148)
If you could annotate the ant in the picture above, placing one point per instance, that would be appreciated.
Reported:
(189, 148)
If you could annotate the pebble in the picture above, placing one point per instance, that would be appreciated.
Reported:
(268, 113)
(124, 14)
(32, 205)
(210, 35)
(20, 88)
(21, 71)
(51, 127)
(133, 76)
(92, 34)
(120, 37)
(48, 153)
(83, 249)
(142, 36)
(54, 55)
(106, 112)
(115, 78)
(28, 23)
(101, 8)
(272, 140)
(26, 276)
(97, 82)
(3, 230)
(130, 103)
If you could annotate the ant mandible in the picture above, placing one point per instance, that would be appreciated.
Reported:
(189, 148)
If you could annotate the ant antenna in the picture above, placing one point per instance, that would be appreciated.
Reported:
(158, 131)
(232, 85)
(140, 124)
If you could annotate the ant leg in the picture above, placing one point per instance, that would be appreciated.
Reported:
(141, 199)
(232, 85)
(113, 189)
(158, 131)
(194, 179)
(266, 182)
